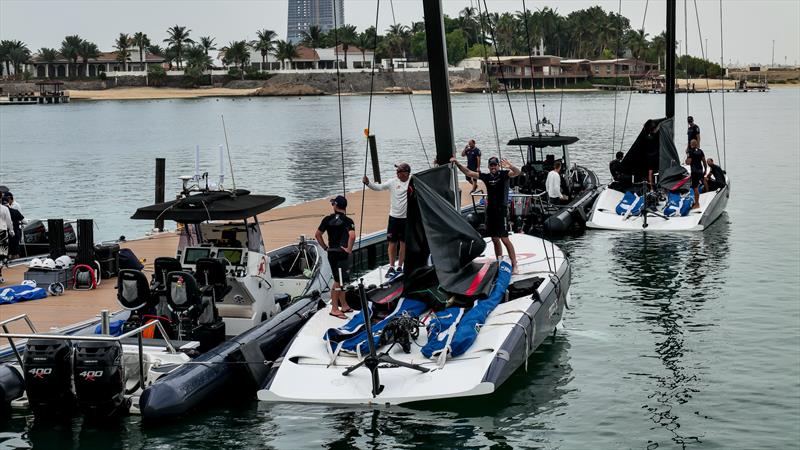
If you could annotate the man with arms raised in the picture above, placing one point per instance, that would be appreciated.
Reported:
(341, 236)
(496, 182)
(396, 228)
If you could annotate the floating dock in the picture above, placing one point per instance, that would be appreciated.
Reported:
(280, 227)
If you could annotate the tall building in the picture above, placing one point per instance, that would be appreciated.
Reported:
(306, 13)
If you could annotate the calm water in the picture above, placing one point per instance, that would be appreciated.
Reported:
(684, 340)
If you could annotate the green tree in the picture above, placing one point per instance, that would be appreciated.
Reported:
(87, 50)
(366, 41)
(207, 43)
(177, 38)
(156, 75)
(18, 54)
(313, 38)
(69, 50)
(347, 36)
(418, 46)
(285, 50)
(264, 44)
(456, 46)
(123, 44)
(141, 41)
(237, 53)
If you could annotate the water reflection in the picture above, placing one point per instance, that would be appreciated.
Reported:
(669, 279)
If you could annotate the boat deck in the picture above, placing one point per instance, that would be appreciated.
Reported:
(280, 226)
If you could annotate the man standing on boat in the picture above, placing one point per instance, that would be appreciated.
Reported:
(553, 185)
(696, 160)
(473, 155)
(693, 132)
(341, 236)
(396, 228)
(496, 182)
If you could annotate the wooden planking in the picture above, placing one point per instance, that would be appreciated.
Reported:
(281, 226)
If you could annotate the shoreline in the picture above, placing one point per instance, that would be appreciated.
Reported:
(167, 93)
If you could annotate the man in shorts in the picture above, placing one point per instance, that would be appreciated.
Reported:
(396, 228)
(473, 155)
(496, 182)
(696, 160)
(341, 237)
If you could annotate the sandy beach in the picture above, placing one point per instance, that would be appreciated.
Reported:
(154, 93)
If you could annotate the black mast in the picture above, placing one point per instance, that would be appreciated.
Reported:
(670, 81)
(440, 85)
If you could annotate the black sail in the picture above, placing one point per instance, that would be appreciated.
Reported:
(654, 149)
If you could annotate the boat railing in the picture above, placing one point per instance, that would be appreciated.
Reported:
(68, 337)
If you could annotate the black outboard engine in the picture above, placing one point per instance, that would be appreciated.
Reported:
(100, 378)
(48, 377)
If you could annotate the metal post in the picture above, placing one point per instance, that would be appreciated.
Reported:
(105, 322)
(373, 152)
(440, 85)
(160, 188)
(670, 81)
(141, 362)
(14, 347)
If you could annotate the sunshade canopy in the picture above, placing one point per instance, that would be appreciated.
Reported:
(544, 141)
(214, 205)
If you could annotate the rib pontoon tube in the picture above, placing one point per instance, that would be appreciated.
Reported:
(192, 384)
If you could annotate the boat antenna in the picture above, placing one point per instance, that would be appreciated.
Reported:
(533, 73)
(230, 161)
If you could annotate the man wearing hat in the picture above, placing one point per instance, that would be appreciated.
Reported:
(341, 236)
(396, 228)
(496, 182)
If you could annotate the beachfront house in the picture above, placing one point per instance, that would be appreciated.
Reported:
(621, 67)
(314, 59)
(104, 63)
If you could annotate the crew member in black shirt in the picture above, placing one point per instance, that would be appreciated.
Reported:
(715, 179)
(615, 166)
(341, 236)
(693, 132)
(696, 160)
(496, 182)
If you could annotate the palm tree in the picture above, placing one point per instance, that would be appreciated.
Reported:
(178, 37)
(5, 47)
(285, 50)
(397, 39)
(659, 47)
(155, 49)
(123, 44)
(264, 44)
(69, 50)
(313, 38)
(196, 56)
(366, 41)
(347, 36)
(207, 43)
(18, 54)
(142, 41)
(87, 50)
(236, 53)
(46, 55)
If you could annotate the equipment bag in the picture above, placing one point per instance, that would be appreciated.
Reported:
(128, 260)
(630, 205)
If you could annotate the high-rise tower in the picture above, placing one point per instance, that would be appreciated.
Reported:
(306, 13)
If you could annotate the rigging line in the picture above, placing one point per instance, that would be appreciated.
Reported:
(530, 62)
(369, 124)
(686, 50)
(339, 94)
(230, 161)
(722, 77)
(616, 80)
(485, 52)
(561, 106)
(630, 93)
(503, 79)
(708, 87)
(410, 102)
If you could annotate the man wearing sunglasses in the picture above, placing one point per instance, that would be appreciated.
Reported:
(496, 182)
(396, 228)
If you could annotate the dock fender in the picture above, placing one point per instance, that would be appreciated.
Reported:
(12, 384)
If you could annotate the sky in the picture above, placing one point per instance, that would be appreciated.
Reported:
(750, 26)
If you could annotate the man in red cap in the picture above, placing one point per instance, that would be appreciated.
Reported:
(341, 237)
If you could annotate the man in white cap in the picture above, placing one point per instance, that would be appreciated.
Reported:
(396, 228)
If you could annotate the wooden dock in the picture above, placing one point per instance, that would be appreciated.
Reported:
(280, 226)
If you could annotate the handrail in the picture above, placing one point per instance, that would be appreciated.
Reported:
(10, 341)
(513, 195)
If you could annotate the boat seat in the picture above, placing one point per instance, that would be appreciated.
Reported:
(133, 290)
(162, 266)
(212, 278)
(183, 294)
(235, 311)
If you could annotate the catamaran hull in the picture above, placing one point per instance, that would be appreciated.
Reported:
(307, 373)
(192, 384)
(603, 216)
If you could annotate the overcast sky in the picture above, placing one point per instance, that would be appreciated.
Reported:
(750, 26)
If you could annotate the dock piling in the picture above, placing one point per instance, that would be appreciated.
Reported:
(160, 188)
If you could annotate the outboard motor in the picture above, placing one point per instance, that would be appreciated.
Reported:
(48, 377)
(100, 378)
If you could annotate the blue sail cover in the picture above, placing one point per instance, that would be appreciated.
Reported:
(457, 330)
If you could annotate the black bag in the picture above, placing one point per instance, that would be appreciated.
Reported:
(128, 260)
